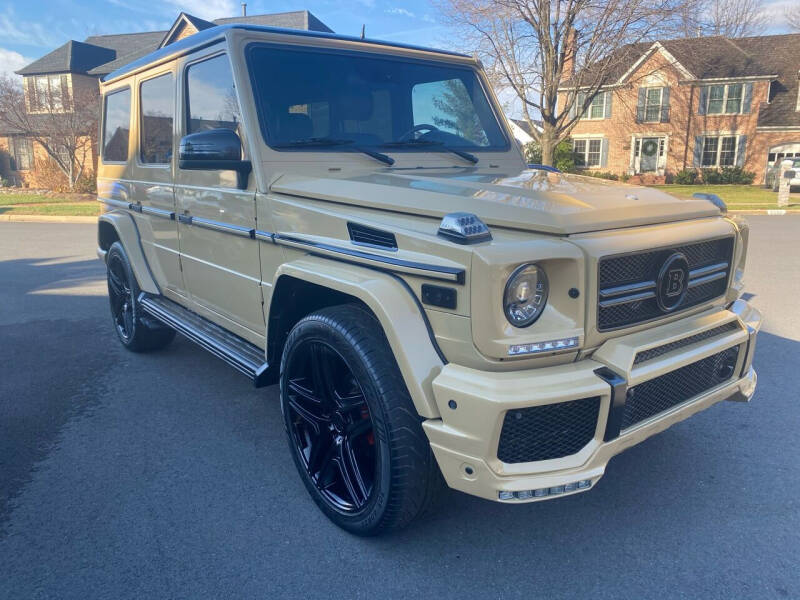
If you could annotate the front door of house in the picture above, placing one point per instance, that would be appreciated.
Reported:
(648, 162)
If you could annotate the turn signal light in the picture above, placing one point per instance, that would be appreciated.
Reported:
(542, 492)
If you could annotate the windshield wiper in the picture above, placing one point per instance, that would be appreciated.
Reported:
(432, 144)
(325, 142)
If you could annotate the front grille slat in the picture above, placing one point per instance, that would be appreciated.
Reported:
(548, 431)
(661, 393)
(653, 353)
(627, 283)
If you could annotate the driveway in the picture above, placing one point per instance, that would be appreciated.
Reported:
(168, 476)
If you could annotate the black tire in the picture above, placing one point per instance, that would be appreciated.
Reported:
(137, 332)
(365, 384)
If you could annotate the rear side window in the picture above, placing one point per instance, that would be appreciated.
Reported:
(156, 102)
(211, 95)
(117, 126)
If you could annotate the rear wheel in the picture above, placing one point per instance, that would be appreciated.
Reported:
(136, 332)
(355, 436)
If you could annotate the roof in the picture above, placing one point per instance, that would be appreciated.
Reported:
(101, 54)
(299, 19)
(523, 124)
(203, 38)
(783, 55)
(716, 57)
(72, 57)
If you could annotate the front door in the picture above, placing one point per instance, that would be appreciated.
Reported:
(648, 162)
(220, 261)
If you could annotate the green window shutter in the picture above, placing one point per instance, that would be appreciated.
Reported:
(747, 98)
(698, 151)
(703, 100)
(640, 105)
(740, 151)
(604, 153)
(609, 96)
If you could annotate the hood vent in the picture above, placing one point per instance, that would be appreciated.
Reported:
(369, 236)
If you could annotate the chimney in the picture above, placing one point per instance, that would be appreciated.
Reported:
(244, 9)
(570, 50)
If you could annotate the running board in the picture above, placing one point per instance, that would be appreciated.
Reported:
(237, 352)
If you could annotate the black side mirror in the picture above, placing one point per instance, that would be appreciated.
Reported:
(215, 150)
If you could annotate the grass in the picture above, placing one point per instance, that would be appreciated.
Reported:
(18, 199)
(737, 197)
(55, 209)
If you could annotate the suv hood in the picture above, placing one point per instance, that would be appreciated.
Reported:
(531, 199)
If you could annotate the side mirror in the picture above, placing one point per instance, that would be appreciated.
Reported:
(215, 150)
(789, 174)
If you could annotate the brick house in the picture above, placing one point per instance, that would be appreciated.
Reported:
(694, 103)
(77, 66)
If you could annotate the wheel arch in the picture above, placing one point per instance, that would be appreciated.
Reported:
(311, 283)
(118, 226)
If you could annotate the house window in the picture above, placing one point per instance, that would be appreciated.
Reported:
(725, 99)
(720, 151)
(49, 93)
(597, 107)
(587, 153)
(652, 104)
(22, 153)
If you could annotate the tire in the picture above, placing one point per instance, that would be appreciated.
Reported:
(137, 332)
(347, 412)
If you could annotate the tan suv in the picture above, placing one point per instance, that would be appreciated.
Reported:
(353, 220)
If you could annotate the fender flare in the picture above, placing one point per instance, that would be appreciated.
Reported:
(398, 311)
(128, 234)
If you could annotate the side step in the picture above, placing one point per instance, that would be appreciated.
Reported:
(237, 352)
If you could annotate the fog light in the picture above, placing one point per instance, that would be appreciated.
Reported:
(504, 495)
(549, 346)
(543, 492)
(525, 494)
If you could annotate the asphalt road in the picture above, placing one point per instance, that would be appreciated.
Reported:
(168, 476)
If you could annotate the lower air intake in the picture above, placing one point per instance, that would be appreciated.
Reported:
(662, 393)
(548, 431)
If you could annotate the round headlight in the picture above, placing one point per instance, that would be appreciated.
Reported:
(525, 295)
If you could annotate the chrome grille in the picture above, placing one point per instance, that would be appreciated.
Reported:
(628, 283)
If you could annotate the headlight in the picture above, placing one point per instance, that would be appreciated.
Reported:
(525, 295)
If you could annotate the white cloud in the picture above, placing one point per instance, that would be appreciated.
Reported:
(11, 61)
(19, 32)
(208, 9)
(400, 11)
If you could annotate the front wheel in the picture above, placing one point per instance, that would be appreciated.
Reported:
(354, 434)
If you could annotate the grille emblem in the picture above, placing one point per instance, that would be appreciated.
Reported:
(673, 282)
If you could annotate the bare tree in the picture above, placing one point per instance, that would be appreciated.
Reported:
(535, 47)
(793, 18)
(729, 18)
(64, 124)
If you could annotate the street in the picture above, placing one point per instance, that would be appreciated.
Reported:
(166, 475)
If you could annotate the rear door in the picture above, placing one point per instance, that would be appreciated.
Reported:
(220, 259)
(152, 187)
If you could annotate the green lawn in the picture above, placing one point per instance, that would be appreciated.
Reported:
(737, 197)
(55, 209)
(17, 199)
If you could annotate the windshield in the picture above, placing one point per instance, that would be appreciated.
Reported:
(310, 99)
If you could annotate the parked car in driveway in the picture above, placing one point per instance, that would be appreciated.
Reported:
(774, 173)
(352, 220)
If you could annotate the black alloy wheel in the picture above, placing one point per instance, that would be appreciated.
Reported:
(120, 295)
(331, 425)
(353, 431)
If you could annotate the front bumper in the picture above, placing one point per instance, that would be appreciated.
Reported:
(473, 404)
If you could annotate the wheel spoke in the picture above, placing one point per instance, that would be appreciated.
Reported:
(358, 428)
(127, 317)
(316, 421)
(351, 474)
(115, 282)
(320, 458)
(322, 372)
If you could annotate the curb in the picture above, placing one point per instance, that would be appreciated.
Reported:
(45, 219)
(774, 212)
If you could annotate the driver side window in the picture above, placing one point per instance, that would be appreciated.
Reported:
(448, 106)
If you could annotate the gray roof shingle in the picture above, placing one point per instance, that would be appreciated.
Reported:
(72, 57)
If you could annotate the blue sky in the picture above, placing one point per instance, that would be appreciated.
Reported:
(30, 29)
